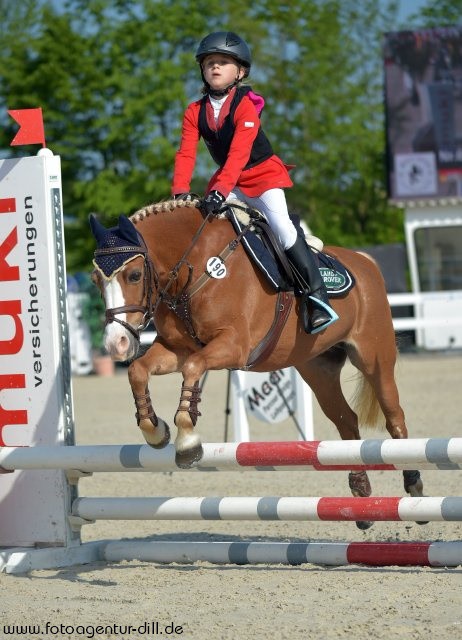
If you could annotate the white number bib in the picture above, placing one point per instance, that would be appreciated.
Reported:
(216, 268)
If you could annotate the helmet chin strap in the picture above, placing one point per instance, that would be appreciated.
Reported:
(219, 93)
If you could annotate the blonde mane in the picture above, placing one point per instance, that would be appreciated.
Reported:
(160, 207)
(170, 205)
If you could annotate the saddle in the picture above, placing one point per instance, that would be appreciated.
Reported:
(266, 252)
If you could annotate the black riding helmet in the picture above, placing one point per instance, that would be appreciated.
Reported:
(226, 42)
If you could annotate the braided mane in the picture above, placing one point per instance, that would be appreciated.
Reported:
(170, 205)
(160, 207)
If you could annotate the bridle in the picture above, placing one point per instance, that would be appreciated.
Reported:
(150, 278)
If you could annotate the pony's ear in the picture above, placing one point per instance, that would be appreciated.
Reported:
(96, 227)
(128, 231)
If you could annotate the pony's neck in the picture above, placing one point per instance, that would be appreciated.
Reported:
(168, 230)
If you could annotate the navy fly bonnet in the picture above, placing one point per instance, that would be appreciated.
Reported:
(115, 246)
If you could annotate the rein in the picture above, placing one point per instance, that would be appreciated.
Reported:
(162, 294)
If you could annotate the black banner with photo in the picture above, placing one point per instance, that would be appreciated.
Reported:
(423, 108)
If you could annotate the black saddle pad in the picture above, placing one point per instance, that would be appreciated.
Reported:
(337, 278)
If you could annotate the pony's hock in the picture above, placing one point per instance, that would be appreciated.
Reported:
(155, 263)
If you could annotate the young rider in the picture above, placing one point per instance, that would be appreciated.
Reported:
(227, 118)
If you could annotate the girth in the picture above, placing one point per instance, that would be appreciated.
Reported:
(266, 346)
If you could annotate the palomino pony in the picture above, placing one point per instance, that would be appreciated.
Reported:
(213, 309)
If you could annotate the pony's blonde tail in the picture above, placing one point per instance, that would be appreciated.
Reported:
(365, 404)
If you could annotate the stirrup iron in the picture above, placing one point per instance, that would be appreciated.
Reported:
(328, 309)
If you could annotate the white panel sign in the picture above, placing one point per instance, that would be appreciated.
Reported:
(271, 397)
(35, 390)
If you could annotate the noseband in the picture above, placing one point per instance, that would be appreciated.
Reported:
(148, 280)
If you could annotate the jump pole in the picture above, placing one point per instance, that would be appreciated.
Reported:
(327, 455)
(379, 554)
(269, 508)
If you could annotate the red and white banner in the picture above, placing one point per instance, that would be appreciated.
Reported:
(35, 401)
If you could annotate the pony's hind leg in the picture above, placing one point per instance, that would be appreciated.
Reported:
(323, 376)
(380, 377)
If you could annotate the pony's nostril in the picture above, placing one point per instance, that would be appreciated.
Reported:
(123, 345)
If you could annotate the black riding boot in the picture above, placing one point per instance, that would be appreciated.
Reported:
(315, 293)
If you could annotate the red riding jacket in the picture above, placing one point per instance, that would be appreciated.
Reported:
(269, 174)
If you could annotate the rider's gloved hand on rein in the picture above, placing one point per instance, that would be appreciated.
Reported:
(212, 202)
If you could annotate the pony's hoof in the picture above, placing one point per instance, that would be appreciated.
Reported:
(165, 440)
(155, 442)
(186, 459)
(414, 487)
(364, 524)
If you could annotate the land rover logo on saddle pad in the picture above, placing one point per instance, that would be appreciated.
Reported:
(333, 280)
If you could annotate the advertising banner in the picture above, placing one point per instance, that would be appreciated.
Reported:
(423, 108)
(271, 397)
(35, 392)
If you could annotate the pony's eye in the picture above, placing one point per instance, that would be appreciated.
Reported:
(134, 277)
(96, 278)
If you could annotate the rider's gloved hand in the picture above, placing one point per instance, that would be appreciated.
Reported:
(212, 202)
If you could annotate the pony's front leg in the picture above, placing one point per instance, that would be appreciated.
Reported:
(223, 352)
(157, 360)
(188, 445)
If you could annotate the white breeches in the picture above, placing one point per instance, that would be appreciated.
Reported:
(273, 205)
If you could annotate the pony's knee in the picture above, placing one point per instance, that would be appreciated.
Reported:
(193, 369)
(137, 374)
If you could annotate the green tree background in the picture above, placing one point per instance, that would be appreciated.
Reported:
(114, 76)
